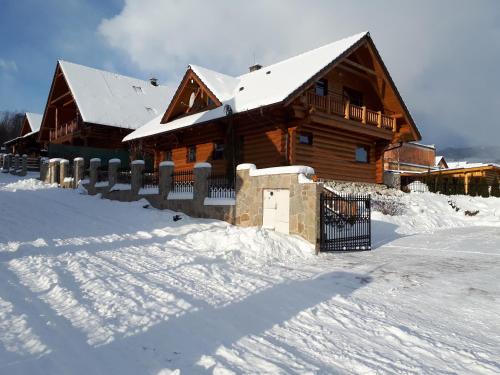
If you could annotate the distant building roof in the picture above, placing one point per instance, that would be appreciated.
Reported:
(112, 99)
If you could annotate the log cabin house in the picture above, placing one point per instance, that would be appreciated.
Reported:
(92, 108)
(27, 142)
(334, 108)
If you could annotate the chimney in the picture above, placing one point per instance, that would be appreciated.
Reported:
(153, 81)
(255, 67)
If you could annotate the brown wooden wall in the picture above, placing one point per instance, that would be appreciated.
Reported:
(333, 154)
(261, 141)
(414, 154)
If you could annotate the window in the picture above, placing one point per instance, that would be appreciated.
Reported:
(191, 154)
(362, 153)
(218, 151)
(355, 97)
(209, 101)
(138, 89)
(321, 88)
(168, 155)
(305, 138)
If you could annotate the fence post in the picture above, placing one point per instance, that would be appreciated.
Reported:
(136, 167)
(200, 188)
(166, 169)
(6, 163)
(15, 166)
(54, 171)
(24, 165)
(113, 165)
(95, 163)
(44, 169)
(78, 171)
(63, 171)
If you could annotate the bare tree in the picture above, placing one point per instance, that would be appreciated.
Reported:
(10, 125)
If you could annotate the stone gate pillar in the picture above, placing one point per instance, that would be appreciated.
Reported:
(113, 166)
(95, 163)
(78, 170)
(54, 171)
(24, 165)
(14, 168)
(63, 172)
(137, 167)
(200, 191)
(165, 178)
(6, 163)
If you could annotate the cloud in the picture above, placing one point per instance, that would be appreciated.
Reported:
(8, 65)
(443, 55)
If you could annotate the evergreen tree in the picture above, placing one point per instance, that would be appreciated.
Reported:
(495, 188)
(473, 186)
(460, 186)
(483, 189)
(439, 184)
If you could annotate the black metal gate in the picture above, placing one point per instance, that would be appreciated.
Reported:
(345, 221)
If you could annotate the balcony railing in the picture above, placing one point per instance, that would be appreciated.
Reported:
(339, 106)
(62, 130)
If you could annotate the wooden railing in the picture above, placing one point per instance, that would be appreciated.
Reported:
(338, 106)
(63, 129)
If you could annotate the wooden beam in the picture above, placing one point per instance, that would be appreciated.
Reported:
(361, 67)
(60, 97)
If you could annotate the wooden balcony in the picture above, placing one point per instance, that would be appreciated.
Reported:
(338, 106)
(62, 130)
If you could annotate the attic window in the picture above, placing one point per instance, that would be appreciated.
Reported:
(268, 72)
(242, 88)
(151, 110)
(138, 89)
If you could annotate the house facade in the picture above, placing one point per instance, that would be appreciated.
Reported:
(91, 109)
(27, 142)
(334, 108)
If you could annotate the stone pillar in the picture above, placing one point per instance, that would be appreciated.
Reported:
(15, 166)
(54, 171)
(95, 163)
(200, 189)
(137, 166)
(6, 163)
(63, 172)
(165, 178)
(113, 166)
(44, 170)
(392, 180)
(78, 170)
(24, 165)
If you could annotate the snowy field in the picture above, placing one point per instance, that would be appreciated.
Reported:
(90, 286)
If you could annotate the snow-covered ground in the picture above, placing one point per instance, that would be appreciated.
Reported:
(90, 286)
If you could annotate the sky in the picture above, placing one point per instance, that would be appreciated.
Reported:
(444, 56)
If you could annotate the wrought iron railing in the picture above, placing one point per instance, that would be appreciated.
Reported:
(124, 176)
(220, 186)
(150, 179)
(345, 221)
(102, 174)
(182, 181)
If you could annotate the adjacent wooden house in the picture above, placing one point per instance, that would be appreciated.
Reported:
(412, 157)
(334, 108)
(89, 108)
(27, 142)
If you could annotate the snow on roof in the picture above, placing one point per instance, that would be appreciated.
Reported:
(112, 99)
(34, 120)
(466, 165)
(266, 86)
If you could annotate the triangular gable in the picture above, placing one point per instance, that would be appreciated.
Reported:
(191, 85)
(59, 92)
(378, 69)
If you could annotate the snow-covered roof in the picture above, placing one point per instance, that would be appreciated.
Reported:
(112, 99)
(263, 87)
(34, 121)
(466, 165)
